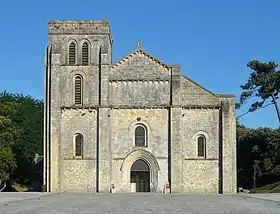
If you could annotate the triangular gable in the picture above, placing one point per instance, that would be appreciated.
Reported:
(134, 53)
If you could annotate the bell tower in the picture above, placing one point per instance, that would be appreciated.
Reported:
(77, 64)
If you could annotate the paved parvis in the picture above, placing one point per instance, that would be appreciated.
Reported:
(70, 203)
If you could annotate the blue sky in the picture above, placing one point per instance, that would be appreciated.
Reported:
(212, 40)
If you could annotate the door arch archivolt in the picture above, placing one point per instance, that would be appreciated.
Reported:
(142, 155)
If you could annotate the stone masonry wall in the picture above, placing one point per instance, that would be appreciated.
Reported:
(201, 174)
(139, 93)
(196, 122)
(123, 124)
(55, 146)
(193, 94)
(229, 146)
(76, 27)
(176, 128)
(139, 66)
(79, 174)
(61, 43)
(138, 80)
(81, 121)
(90, 85)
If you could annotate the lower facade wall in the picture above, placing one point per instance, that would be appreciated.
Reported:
(118, 178)
(121, 178)
(201, 176)
(162, 174)
(79, 176)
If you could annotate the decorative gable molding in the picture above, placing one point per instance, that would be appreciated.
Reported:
(139, 52)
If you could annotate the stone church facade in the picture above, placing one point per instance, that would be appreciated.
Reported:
(137, 123)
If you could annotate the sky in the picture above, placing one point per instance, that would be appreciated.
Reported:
(212, 40)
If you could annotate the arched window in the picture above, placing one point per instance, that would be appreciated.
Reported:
(78, 89)
(85, 54)
(201, 146)
(72, 54)
(79, 145)
(140, 136)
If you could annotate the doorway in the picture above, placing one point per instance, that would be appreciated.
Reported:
(140, 174)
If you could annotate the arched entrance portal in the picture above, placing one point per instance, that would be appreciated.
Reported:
(140, 174)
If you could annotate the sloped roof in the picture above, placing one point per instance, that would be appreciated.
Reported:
(197, 84)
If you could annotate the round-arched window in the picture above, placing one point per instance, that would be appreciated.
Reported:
(79, 144)
(201, 146)
(140, 136)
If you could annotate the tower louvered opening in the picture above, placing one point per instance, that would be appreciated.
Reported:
(78, 90)
(85, 53)
(72, 53)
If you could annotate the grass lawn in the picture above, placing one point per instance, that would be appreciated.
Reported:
(19, 188)
(270, 188)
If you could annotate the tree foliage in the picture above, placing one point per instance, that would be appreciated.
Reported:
(259, 148)
(21, 134)
(7, 163)
(262, 84)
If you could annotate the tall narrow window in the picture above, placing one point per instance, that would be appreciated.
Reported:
(72, 53)
(78, 90)
(79, 144)
(140, 136)
(201, 145)
(85, 54)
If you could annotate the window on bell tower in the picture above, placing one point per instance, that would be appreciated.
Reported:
(79, 145)
(78, 90)
(85, 53)
(72, 53)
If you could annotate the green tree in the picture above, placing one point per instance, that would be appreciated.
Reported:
(30, 118)
(7, 165)
(26, 117)
(258, 152)
(263, 84)
(244, 151)
(8, 134)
